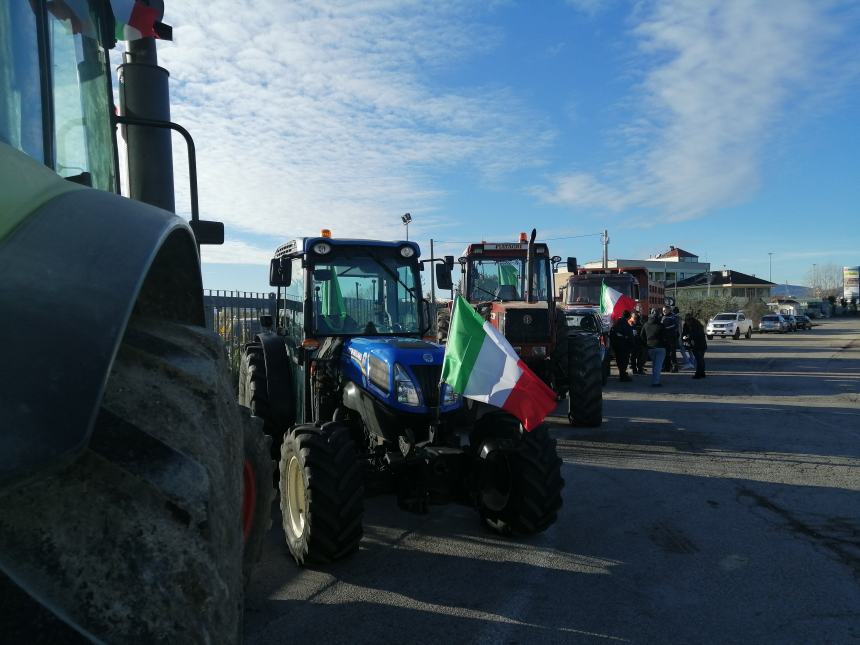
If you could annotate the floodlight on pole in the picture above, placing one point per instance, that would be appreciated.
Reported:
(406, 218)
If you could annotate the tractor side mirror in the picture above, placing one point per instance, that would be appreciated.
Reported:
(207, 232)
(571, 265)
(449, 262)
(443, 276)
(280, 272)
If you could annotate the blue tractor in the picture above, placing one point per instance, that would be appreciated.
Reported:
(351, 394)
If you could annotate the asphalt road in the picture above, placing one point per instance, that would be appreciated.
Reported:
(722, 510)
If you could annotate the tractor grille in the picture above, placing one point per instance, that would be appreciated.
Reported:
(428, 380)
(517, 331)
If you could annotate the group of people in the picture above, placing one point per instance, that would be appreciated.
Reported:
(658, 339)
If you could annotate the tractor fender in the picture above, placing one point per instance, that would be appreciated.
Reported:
(282, 406)
(72, 272)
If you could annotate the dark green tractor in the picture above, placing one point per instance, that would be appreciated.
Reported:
(132, 490)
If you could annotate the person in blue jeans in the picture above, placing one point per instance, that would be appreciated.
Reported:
(654, 337)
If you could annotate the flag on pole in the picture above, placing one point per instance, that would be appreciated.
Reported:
(613, 303)
(134, 19)
(481, 365)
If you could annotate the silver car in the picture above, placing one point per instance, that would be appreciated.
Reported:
(773, 322)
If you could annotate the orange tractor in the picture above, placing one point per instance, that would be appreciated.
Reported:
(511, 285)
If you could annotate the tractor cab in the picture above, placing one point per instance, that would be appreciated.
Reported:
(352, 310)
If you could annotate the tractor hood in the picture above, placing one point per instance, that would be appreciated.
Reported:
(390, 367)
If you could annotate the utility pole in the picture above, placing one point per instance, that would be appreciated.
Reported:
(605, 240)
(432, 275)
(770, 266)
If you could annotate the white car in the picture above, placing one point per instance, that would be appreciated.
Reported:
(729, 324)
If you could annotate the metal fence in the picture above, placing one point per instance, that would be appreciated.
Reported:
(235, 316)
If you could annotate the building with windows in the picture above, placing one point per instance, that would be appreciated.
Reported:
(726, 283)
(673, 265)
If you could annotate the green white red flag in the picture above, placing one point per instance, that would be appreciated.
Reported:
(481, 365)
(134, 19)
(613, 303)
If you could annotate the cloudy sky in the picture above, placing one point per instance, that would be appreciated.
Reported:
(726, 127)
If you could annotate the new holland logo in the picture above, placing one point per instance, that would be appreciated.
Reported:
(428, 358)
(527, 319)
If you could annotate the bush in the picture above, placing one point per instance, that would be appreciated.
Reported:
(704, 308)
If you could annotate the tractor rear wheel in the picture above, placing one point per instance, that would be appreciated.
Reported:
(322, 492)
(140, 538)
(585, 370)
(559, 359)
(519, 488)
(257, 493)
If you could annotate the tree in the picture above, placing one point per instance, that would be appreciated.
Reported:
(824, 279)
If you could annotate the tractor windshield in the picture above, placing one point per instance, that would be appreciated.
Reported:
(504, 279)
(366, 293)
(585, 289)
(55, 98)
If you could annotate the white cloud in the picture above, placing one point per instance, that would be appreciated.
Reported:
(719, 76)
(318, 114)
(236, 252)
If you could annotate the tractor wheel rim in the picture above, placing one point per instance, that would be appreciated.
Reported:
(249, 498)
(296, 496)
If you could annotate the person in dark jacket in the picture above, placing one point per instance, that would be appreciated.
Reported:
(694, 336)
(672, 326)
(621, 338)
(639, 354)
(654, 337)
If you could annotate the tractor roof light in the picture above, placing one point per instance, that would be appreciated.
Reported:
(523, 237)
(407, 251)
(326, 232)
(321, 248)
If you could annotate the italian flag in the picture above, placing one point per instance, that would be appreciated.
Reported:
(614, 302)
(134, 19)
(481, 365)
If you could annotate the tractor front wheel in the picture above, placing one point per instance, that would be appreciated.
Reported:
(519, 488)
(322, 492)
(585, 370)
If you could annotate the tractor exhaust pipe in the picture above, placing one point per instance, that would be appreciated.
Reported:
(530, 266)
(144, 94)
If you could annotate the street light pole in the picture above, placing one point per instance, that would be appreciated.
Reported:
(770, 266)
(406, 218)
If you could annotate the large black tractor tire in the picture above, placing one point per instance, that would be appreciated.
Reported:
(253, 389)
(322, 493)
(559, 360)
(139, 540)
(443, 325)
(519, 488)
(586, 377)
(257, 492)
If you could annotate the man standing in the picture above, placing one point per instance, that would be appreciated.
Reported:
(621, 338)
(653, 335)
(638, 352)
(695, 335)
(670, 324)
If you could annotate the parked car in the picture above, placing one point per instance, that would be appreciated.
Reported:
(729, 324)
(791, 320)
(773, 323)
(589, 320)
(803, 322)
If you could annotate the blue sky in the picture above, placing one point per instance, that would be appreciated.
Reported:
(727, 128)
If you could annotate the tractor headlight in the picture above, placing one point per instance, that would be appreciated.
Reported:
(321, 248)
(449, 396)
(377, 372)
(406, 391)
(407, 251)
